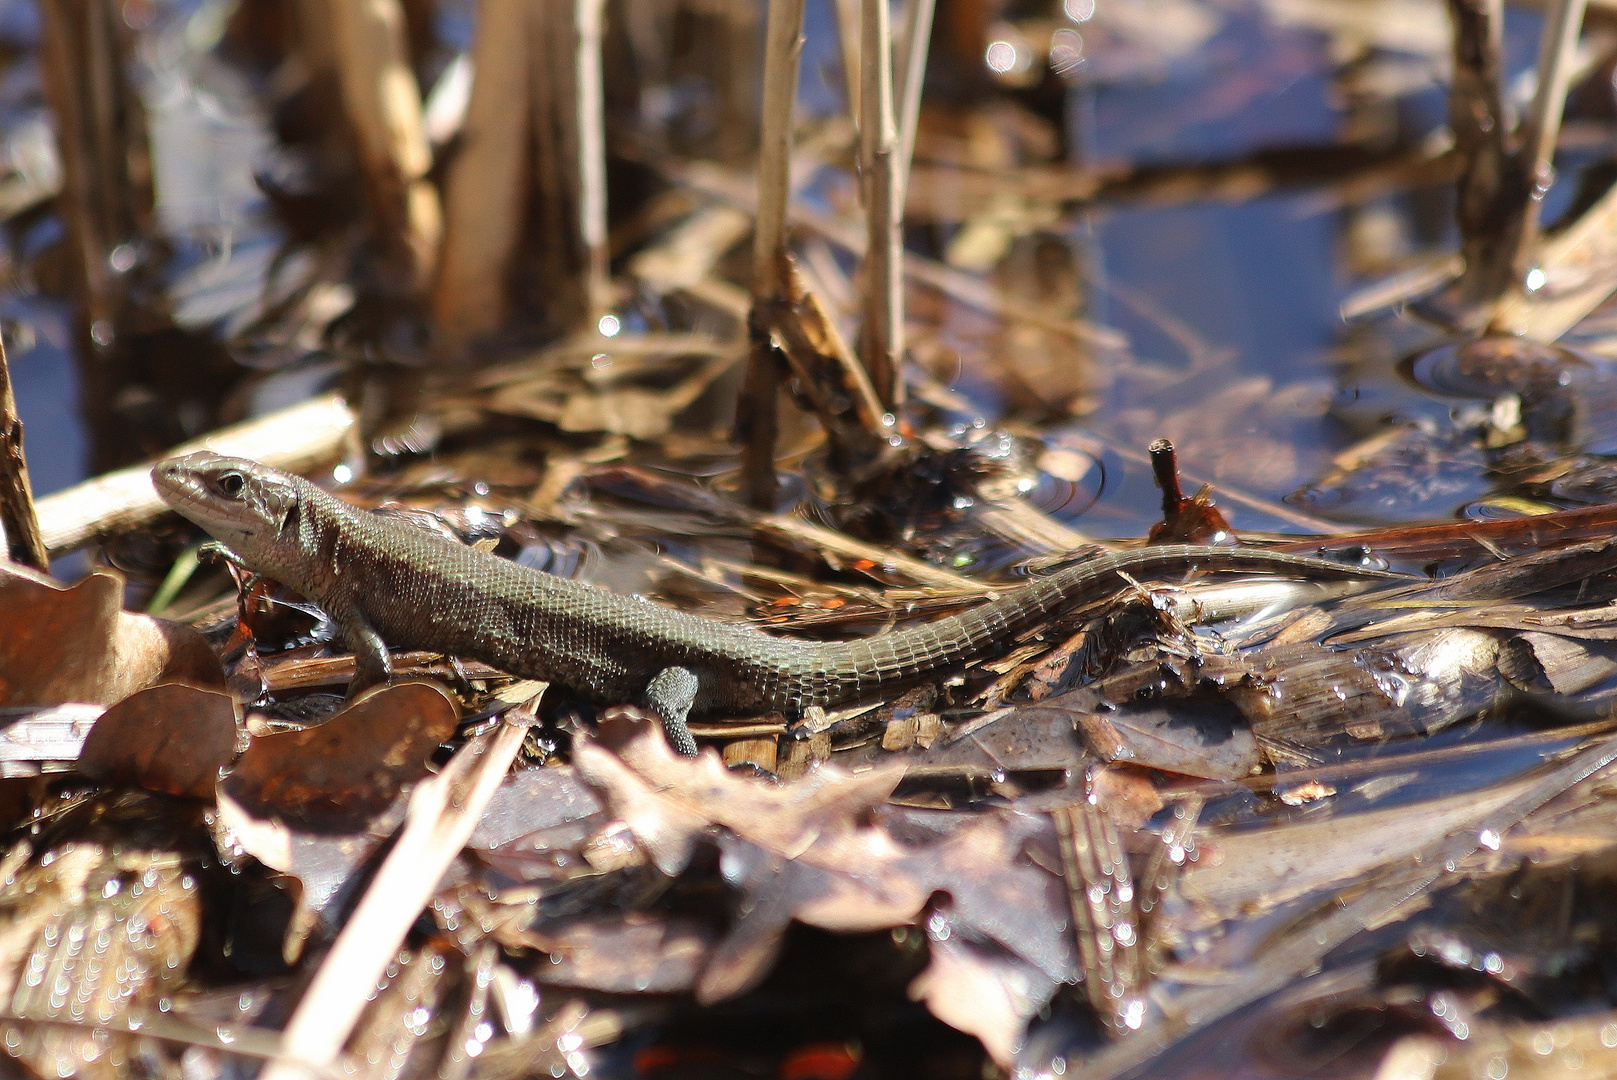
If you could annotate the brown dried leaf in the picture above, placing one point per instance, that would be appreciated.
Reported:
(60, 644)
(669, 801)
(983, 992)
(809, 851)
(324, 865)
(172, 738)
(338, 774)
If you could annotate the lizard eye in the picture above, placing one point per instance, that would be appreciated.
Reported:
(231, 483)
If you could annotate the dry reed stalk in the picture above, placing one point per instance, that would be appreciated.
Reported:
(591, 122)
(882, 331)
(107, 202)
(1489, 185)
(907, 90)
(561, 286)
(849, 31)
(1557, 49)
(17, 515)
(488, 181)
(756, 422)
(531, 175)
(383, 106)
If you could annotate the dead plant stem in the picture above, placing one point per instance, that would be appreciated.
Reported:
(592, 158)
(755, 423)
(912, 75)
(882, 332)
(1557, 49)
(17, 516)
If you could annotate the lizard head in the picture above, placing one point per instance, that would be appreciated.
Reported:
(250, 508)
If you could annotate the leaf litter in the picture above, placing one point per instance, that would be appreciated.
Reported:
(1205, 812)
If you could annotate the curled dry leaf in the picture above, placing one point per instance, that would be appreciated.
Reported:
(337, 774)
(823, 851)
(60, 644)
(669, 801)
(324, 865)
(984, 992)
(171, 738)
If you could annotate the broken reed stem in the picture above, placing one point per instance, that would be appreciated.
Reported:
(757, 425)
(24, 543)
(911, 77)
(592, 159)
(371, 56)
(882, 332)
(1489, 187)
(783, 45)
(1557, 48)
(755, 407)
(848, 31)
(487, 182)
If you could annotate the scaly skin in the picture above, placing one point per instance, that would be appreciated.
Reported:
(386, 580)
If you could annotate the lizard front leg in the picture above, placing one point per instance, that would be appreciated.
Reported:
(373, 665)
(670, 695)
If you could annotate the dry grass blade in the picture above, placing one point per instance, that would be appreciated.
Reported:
(443, 812)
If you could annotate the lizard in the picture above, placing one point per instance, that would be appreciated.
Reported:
(384, 580)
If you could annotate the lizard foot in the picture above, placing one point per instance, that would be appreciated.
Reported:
(670, 696)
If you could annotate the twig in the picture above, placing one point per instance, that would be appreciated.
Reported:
(882, 332)
(299, 439)
(443, 812)
(17, 516)
(590, 101)
(1556, 50)
(783, 45)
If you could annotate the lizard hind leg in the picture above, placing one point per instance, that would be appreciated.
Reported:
(670, 695)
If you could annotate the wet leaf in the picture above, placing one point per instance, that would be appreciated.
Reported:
(61, 644)
(172, 738)
(810, 851)
(337, 774)
(984, 992)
